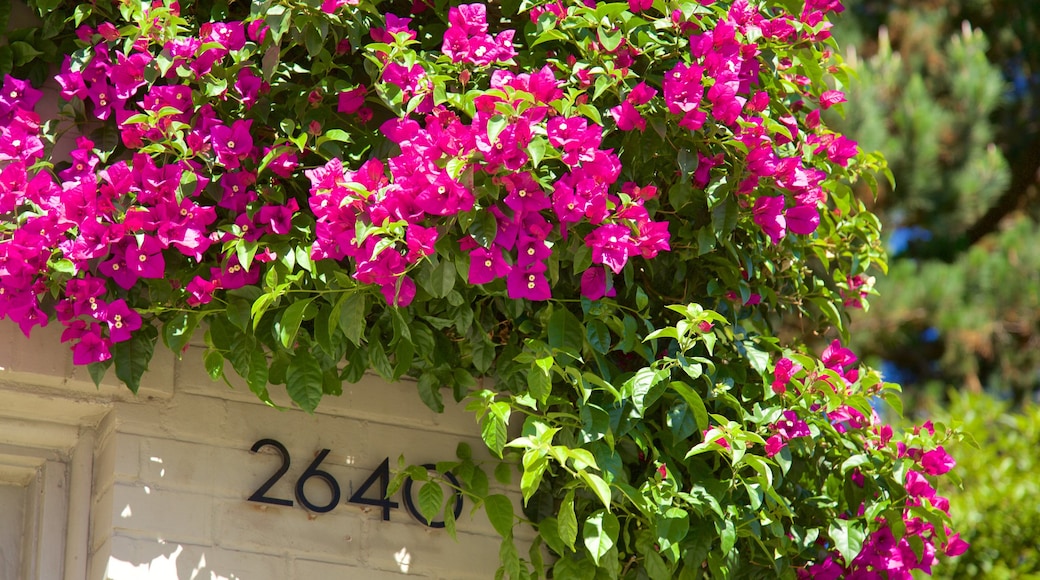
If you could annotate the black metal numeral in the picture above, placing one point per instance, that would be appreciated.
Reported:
(382, 474)
(313, 471)
(409, 505)
(259, 494)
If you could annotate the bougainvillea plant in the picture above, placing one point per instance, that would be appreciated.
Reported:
(619, 230)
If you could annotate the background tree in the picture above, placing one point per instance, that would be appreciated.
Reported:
(948, 90)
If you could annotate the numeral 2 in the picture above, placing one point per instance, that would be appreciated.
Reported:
(259, 494)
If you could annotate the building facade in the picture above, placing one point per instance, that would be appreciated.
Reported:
(97, 483)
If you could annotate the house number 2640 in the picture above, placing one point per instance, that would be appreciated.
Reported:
(364, 495)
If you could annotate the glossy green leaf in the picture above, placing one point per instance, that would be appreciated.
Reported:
(499, 510)
(600, 533)
(431, 500)
(304, 380)
(289, 325)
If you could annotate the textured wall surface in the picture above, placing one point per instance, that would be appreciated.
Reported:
(156, 486)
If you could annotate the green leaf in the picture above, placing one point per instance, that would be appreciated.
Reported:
(600, 533)
(672, 527)
(598, 336)
(496, 124)
(303, 380)
(430, 392)
(131, 357)
(493, 427)
(484, 228)
(567, 522)
(431, 500)
(98, 370)
(848, 536)
(727, 536)
(289, 325)
(499, 510)
(214, 363)
(536, 149)
(177, 331)
(535, 463)
(694, 402)
(639, 387)
(5, 14)
(566, 332)
(483, 354)
(352, 316)
(572, 568)
(441, 279)
(598, 486)
(539, 384)
(379, 361)
(854, 462)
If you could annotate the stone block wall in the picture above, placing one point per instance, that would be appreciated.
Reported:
(156, 486)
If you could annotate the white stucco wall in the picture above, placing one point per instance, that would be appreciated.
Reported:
(156, 486)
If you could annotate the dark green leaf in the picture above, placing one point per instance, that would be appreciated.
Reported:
(131, 357)
(378, 360)
(303, 380)
(499, 510)
(430, 391)
(352, 316)
(566, 332)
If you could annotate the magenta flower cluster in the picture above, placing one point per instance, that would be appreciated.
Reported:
(882, 556)
(126, 220)
(430, 182)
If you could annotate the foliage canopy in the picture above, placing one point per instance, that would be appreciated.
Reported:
(608, 224)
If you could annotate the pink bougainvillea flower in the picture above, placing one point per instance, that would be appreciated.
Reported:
(122, 321)
(528, 282)
(955, 546)
(595, 284)
(331, 6)
(791, 426)
(774, 445)
(200, 291)
(611, 245)
(91, 347)
(17, 93)
(146, 260)
(917, 485)
(399, 293)
(627, 117)
(394, 25)
(420, 241)
(768, 215)
(486, 265)
(802, 219)
(937, 461)
(785, 369)
(232, 144)
(350, 101)
(837, 357)
(830, 98)
(653, 238)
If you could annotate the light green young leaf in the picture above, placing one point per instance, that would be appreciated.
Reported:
(600, 533)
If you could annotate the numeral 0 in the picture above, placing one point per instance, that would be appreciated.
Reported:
(410, 505)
